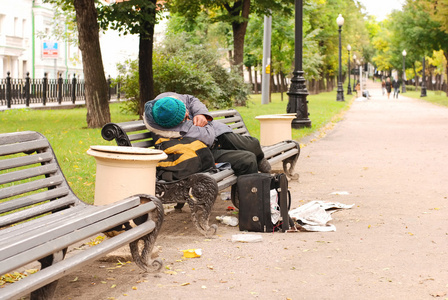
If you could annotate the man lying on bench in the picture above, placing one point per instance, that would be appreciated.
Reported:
(174, 116)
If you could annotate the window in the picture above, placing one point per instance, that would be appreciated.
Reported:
(16, 26)
(2, 18)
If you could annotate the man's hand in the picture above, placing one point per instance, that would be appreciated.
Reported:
(200, 120)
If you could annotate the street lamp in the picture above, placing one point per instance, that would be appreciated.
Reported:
(403, 88)
(354, 74)
(423, 93)
(340, 95)
(297, 93)
(349, 89)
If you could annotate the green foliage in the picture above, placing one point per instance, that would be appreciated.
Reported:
(63, 26)
(320, 16)
(129, 17)
(185, 68)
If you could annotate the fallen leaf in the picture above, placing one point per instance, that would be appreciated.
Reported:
(113, 286)
(438, 294)
(75, 279)
(134, 287)
(170, 272)
(184, 284)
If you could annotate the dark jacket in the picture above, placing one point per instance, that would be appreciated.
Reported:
(388, 86)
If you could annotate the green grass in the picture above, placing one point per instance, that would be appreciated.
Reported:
(66, 130)
(435, 97)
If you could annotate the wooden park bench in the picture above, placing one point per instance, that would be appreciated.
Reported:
(200, 190)
(40, 217)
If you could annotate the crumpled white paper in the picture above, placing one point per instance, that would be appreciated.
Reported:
(315, 215)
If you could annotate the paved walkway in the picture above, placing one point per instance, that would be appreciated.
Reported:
(391, 157)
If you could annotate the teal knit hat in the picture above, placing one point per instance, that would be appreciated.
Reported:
(168, 112)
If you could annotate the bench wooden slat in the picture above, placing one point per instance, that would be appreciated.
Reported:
(28, 173)
(133, 126)
(46, 232)
(12, 191)
(33, 199)
(25, 160)
(222, 174)
(54, 272)
(23, 147)
(241, 131)
(35, 211)
(230, 120)
(62, 241)
(18, 137)
(281, 157)
(20, 232)
(224, 113)
(140, 136)
(226, 182)
(279, 148)
(16, 229)
(145, 144)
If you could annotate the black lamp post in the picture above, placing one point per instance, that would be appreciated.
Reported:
(340, 95)
(403, 87)
(297, 93)
(349, 89)
(423, 93)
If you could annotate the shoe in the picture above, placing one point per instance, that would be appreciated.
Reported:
(264, 166)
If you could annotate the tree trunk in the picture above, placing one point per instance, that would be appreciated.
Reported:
(249, 70)
(429, 80)
(283, 85)
(279, 83)
(230, 56)
(321, 84)
(146, 80)
(256, 81)
(445, 52)
(96, 89)
(240, 10)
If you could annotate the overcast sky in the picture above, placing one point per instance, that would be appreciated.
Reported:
(381, 8)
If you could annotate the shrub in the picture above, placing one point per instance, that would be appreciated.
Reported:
(185, 68)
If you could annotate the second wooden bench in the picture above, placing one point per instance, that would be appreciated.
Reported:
(200, 190)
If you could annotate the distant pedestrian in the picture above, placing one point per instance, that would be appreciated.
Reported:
(396, 86)
(383, 86)
(358, 89)
(388, 87)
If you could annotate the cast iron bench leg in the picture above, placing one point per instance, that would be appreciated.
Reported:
(199, 191)
(289, 165)
(47, 291)
(142, 256)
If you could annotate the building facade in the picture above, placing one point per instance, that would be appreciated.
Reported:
(23, 49)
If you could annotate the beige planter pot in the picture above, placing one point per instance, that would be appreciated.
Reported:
(275, 128)
(124, 171)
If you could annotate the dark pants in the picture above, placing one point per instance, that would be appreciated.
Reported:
(242, 152)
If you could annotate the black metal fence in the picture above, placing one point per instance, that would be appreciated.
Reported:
(27, 91)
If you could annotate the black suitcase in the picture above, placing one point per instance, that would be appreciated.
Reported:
(254, 202)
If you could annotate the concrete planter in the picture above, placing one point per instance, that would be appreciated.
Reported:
(275, 128)
(124, 171)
